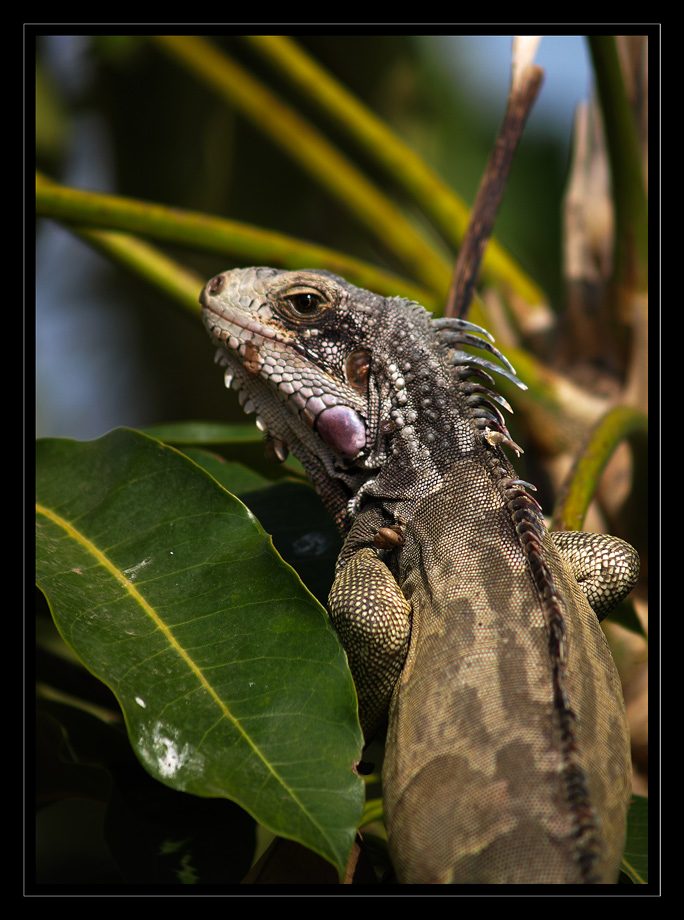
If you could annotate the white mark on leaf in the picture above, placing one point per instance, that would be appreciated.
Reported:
(165, 754)
(132, 573)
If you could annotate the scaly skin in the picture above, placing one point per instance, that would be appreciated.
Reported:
(507, 754)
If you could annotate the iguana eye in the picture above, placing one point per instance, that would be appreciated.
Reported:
(302, 304)
(305, 303)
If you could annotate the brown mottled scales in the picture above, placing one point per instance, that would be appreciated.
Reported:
(468, 627)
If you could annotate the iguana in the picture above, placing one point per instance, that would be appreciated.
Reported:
(466, 624)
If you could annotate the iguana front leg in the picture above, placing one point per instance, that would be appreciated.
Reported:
(373, 620)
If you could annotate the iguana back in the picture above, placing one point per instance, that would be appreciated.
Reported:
(507, 757)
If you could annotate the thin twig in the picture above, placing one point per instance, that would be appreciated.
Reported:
(524, 89)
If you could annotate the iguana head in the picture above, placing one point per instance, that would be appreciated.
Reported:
(293, 347)
(346, 379)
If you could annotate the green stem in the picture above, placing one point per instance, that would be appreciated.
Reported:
(629, 192)
(139, 257)
(212, 234)
(449, 213)
(618, 424)
(308, 147)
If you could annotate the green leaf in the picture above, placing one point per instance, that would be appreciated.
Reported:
(302, 531)
(231, 680)
(234, 441)
(234, 477)
(635, 857)
(291, 512)
(199, 432)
